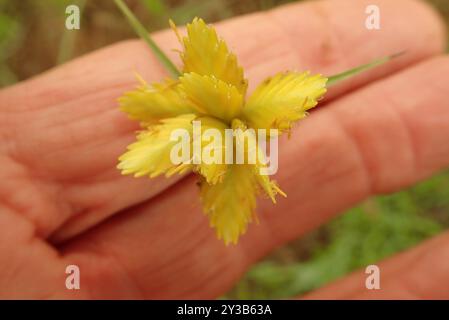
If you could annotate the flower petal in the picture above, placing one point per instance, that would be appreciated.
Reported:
(213, 147)
(151, 154)
(270, 187)
(230, 204)
(212, 96)
(158, 101)
(247, 140)
(206, 54)
(280, 101)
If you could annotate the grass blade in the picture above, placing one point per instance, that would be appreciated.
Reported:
(333, 80)
(143, 33)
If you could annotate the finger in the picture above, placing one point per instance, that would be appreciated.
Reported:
(380, 139)
(68, 118)
(309, 22)
(419, 273)
(30, 268)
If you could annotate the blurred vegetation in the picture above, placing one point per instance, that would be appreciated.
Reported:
(377, 229)
(33, 39)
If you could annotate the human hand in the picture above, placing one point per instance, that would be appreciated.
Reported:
(63, 202)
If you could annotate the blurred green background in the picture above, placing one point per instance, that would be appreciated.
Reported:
(33, 39)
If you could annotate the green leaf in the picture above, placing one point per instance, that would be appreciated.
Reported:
(144, 35)
(333, 80)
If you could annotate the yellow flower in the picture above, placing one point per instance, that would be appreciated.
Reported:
(212, 90)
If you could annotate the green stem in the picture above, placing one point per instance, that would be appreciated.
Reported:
(143, 33)
(332, 80)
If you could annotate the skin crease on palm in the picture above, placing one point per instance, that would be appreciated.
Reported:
(62, 201)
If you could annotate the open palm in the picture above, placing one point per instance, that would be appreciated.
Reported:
(63, 202)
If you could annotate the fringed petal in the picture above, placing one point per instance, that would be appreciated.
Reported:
(206, 54)
(150, 103)
(280, 101)
(213, 150)
(211, 96)
(230, 204)
(151, 155)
